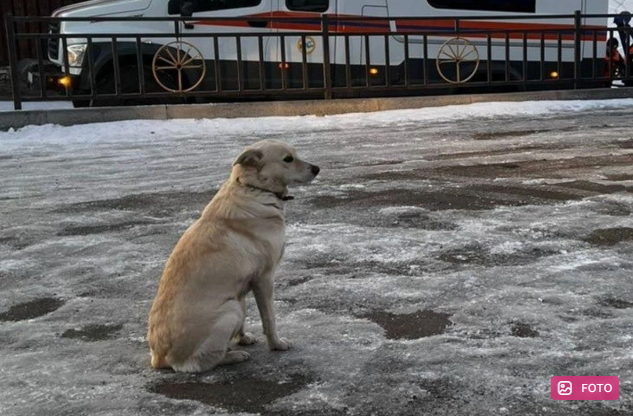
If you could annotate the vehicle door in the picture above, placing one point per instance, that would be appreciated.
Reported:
(289, 52)
(234, 60)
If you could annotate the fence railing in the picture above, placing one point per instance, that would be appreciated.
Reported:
(182, 59)
(21, 8)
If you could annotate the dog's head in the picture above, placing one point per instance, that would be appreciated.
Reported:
(272, 165)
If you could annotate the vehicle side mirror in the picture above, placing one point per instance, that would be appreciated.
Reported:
(173, 7)
(182, 7)
(186, 9)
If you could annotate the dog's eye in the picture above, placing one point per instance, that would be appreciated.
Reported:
(289, 159)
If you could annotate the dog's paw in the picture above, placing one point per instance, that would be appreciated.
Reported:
(247, 339)
(234, 357)
(280, 344)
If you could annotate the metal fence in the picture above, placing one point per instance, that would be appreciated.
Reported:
(26, 8)
(332, 57)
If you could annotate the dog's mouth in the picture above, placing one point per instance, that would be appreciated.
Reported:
(285, 197)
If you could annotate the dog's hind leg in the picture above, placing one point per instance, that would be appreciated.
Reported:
(214, 350)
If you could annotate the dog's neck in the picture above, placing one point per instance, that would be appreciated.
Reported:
(279, 195)
(282, 196)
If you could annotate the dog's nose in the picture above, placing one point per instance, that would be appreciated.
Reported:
(315, 170)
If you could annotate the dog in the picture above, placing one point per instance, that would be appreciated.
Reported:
(233, 248)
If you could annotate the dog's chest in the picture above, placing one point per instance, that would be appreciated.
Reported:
(262, 242)
(274, 242)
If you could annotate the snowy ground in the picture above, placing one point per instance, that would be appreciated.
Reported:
(447, 261)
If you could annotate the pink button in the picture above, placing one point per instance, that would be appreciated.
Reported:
(586, 388)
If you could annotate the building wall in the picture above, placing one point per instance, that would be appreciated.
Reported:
(26, 49)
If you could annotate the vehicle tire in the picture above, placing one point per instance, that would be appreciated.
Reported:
(23, 68)
(81, 103)
(130, 84)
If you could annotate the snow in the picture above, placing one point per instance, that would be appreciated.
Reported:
(483, 212)
(37, 105)
(402, 119)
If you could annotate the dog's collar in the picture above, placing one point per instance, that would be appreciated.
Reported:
(279, 196)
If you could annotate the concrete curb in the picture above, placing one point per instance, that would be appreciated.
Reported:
(67, 117)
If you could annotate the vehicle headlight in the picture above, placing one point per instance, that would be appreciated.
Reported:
(76, 54)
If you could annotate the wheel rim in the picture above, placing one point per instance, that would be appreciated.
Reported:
(460, 54)
(172, 59)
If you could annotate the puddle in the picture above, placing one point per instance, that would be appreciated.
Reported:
(471, 197)
(522, 330)
(360, 269)
(415, 325)
(488, 153)
(475, 254)
(299, 281)
(412, 219)
(610, 236)
(620, 177)
(613, 208)
(438, 389)
(516, 133)
(544, 168)
(593, 187)
(93, 332)
(625, 144)
(616, 303)
(18, 242)
(536, 168)
(101, 228)
(156, 204)
(244, 395)
(32, 309)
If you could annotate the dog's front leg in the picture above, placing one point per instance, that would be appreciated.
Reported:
(263, 291)
(245, 339)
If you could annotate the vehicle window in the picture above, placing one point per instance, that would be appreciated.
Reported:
(212, 5)
(513, 6)
(319, 6)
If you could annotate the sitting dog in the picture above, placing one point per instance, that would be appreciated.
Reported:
(233, 248)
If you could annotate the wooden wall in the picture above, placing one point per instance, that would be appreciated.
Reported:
(26, 8)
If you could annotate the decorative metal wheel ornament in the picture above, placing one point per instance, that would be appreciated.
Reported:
(310, 45)
(172, 60)
(457, 61)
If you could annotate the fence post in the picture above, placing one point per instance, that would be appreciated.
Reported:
(327, 75)
(577, 48)
(13, 61)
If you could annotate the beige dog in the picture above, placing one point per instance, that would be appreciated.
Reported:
(231, 249)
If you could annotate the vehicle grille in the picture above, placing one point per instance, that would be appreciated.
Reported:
(53, 43)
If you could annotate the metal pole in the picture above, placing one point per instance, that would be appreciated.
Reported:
(577, 48)
(13, 61)
(327, 75)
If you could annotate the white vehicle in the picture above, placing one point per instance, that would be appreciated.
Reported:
(516, 41)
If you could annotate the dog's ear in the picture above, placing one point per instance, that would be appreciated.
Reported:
(250, 158)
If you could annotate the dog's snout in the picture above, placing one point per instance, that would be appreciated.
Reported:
(315, 170)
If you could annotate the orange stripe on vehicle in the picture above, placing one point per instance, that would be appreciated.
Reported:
(351, 24)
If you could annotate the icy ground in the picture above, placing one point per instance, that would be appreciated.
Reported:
(447, 261)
